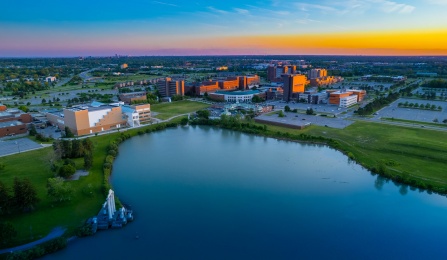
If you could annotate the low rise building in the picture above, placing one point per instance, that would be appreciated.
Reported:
(336, 97)
(236, 96)
(130, 98)
(10, 128)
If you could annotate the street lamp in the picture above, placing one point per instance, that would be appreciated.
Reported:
(18, 146)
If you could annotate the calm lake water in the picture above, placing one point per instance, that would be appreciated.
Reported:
(207, 193)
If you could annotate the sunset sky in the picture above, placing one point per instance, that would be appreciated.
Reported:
(207, 27)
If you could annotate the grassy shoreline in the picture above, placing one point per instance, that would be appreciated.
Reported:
(411, 156)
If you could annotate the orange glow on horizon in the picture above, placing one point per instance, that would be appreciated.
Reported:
(363, 43)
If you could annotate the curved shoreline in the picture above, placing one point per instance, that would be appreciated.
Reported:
(298, 138)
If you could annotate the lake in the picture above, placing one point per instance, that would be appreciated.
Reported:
(207, 193)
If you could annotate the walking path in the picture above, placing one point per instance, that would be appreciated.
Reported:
(55, 233)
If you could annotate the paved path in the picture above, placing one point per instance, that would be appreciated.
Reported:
(55, 233)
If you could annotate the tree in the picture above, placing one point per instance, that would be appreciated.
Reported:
(184, 121)
(68, 133)
(281, 114)
(59, 190)
(25, 195)
(44, 101)
(7, 233)
(87, 144)
(32, 130)
(309, 111)
(5, 199)
(66, 148)
(205, 114)
(256, 99)
(77, 150)
(287, 108)
(67, 171)
(88, 160)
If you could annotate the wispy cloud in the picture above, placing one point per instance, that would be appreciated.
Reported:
(217, 11)
(437, 2)
(358, 7)
(164, 3)
(241, 11)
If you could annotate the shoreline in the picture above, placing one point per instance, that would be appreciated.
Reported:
(260, 131)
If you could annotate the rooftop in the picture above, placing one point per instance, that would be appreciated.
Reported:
(10, 123)
(238, 93)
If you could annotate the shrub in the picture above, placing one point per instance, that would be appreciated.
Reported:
(67, 171)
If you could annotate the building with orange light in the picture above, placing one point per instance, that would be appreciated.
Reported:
(169, 87)
(206, 87)
(124, 66)
(274, 72)
(346, 98)
(317, 73)
(293, 84)
(230, 83)
(248, 82)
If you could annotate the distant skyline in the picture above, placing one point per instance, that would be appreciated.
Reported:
(173, 27)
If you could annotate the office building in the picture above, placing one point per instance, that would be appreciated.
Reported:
(293, 84)
(169, 87)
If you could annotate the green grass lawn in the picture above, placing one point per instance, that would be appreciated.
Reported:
(168, 110)
(35, 166)
(419, 153)
(413, 122)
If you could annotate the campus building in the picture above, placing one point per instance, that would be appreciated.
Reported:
(346, 97)
(274, 72)
(137, 115)
(293, 84)
(169, 87)
(98, 117)
(133, 97)
(236, 96)
(13, 121)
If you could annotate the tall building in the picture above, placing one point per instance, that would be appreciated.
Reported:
(317, 73)
(169, 87)
(294, 83)
(271, 73)
(274, 72)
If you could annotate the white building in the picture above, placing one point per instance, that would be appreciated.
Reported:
(50, 79)
(348, 101)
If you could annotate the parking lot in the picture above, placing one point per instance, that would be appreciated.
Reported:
(17, 146)
(303, 119)
(317, 108)
(394, 111)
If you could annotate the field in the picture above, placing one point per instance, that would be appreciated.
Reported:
(419, 154)
(168, 110)
(35, 166)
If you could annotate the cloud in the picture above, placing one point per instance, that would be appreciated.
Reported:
(241, 11)
(437, 2)
(215, 10)
(361, 6)
(163, 3)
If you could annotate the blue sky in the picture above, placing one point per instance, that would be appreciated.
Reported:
(35, 25)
